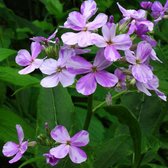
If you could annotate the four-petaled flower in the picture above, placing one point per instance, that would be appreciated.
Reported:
(69, 145)
(17, 150)
(30, 62)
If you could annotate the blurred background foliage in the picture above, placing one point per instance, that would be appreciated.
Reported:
(134, 128)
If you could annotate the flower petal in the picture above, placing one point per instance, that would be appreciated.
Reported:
(141, 87)
(77, 155)
(60, 151)
(142, 73)
(10, 149)
(86, 85)
(80, 139)
(70, 38)
(36, 48)
(23, 58)
(106, 79)
(23, 147)
(66, 78)
(27, 70)
(154, 57)
(60, 134)
(75, 21)
(50, 159)
(129, 55)
(88, 9)
(100, 61)
(37, 63)
(17, 157)
(50, 81)
(84, 39)
(143, 51)
(99, 21)
(122, 42)
(20, 133)
(111, 53)
(161, 95)
(98, 40)
(49, 66)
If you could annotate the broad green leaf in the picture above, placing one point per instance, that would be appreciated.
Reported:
(8, 121)
(127, 118)
(11, 75)
(112, 152)
(5, 53)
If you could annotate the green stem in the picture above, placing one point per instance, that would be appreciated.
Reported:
(54, 107)
(113, 97)
(89, 112)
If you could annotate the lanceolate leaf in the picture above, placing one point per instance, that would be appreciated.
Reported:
(5, 53)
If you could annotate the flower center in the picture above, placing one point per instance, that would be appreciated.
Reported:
(59, 69)
(85, 29)
(109, 42)
(68, 142)
(138, 61)
(94, 69)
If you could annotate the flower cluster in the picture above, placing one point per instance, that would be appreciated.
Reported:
(68, 145)
(127, 41)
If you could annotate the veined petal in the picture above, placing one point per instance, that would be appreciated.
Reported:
(84, 38)
(142, 73)
(10, 149)
(37, 63)
(60, 134)
(77, 155)
(76, 21)
(106, 31)
(99, 21)
(17, 157)
(100, 61)
(20, 133)
(154, 57)
(141, 87)
(88, 9)
(60, 151)
(23, 147)
(36, 48)
(130, 57)
(86, 85)
(23, 58)
(49, 66)
(50, 81)
(70, 38)
(143, 51)
(80, 139)
(161, 95)
(66, 78)
(106, 79)
(98, 40)
(122, 42)
(111, 54)
(27, 70)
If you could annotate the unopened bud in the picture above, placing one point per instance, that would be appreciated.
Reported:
(132, 82)
(32, 143)
(108, 99)
(51, 52)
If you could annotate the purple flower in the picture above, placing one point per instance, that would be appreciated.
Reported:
(140, 70)
(112, 42)
(146, 4)
(57, 70)
(41, 39)
(158, 10)
(152, 84)
(87, 84)
(50, 159)
(78, 21)
(69, 145)
(17, 150)
(29, 61)
(121, 85)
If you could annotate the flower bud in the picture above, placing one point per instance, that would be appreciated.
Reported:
(146, 4)
(32, 143)
(108, 99)
(52, 52)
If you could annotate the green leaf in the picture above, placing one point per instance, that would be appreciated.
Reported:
(127, 118)
(11, 75)
(5, 53)
(8, 120)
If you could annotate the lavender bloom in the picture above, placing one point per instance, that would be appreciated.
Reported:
(146, 5)
(30, 62)
(17, 150)
(152, 84)
(57, 70)
(112, 42)
(140, 70)
(158, 10)
(138, 19)
(69, 145)
(50, 159)
(87, 84)
(41, 39)
(78, 21)
(121, 85)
